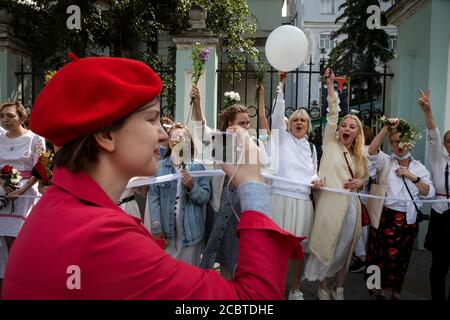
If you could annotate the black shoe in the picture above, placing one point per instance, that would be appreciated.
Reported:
(357, 266)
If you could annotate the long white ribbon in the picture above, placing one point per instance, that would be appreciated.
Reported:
(145, 181)
(272, 177)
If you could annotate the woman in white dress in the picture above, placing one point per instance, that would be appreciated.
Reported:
(291, 204)
(19, 148)
(337, 221)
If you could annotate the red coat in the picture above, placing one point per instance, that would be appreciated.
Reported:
(77, 224)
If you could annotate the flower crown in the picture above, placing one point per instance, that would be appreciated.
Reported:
(409, 133)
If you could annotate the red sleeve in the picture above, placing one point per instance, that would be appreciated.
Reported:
(122, 261)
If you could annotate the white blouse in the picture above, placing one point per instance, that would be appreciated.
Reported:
(297, 158)
(21, 152)
(396, 188)
(438, 161)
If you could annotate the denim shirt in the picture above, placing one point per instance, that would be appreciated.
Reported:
(161, 198)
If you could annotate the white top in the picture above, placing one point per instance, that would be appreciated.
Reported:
(21, 152)
(396, 188)
(438, 161)
(296, 159)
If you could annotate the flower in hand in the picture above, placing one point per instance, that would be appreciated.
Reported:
(10, 176)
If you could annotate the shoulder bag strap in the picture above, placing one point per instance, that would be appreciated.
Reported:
(446, 184)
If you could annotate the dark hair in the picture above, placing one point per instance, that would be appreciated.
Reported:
(447, 133)
(76, 154)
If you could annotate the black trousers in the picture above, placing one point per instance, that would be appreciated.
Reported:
(439, 236)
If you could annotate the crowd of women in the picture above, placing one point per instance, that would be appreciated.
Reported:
(196, 217)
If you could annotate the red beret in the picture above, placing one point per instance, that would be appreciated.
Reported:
(88, 94)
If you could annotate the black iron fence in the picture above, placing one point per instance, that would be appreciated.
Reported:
(363, 94)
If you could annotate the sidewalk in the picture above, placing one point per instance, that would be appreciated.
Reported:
(415, 287)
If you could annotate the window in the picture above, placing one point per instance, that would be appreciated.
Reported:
(327, 6)
(325, 41)
(393, 41)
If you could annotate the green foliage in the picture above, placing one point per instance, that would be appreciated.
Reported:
(42, 27)
(362, 48)
(409, 132)
(233, 21)
(199, 57)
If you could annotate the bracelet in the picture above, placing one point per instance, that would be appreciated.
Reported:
(417, 180)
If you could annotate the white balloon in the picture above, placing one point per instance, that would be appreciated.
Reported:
(286, 48)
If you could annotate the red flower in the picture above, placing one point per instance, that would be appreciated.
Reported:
(6, 170)
(392, 251)
(388, 232)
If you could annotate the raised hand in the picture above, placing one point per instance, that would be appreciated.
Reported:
(195, 93)
(260, 88)
(329, 75)
(282, 76)
(424, 100)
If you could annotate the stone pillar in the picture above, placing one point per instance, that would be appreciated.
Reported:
(12, 54)
(208, 81)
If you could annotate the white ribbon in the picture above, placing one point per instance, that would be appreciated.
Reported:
(272, 177)
(145, 181)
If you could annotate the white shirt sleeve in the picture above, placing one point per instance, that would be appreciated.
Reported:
(379, 160)
(278, 111)
(435, 143)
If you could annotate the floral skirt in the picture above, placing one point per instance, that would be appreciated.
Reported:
(390, 248)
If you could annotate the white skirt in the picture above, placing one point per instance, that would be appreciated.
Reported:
(293, 215)
(315, 269)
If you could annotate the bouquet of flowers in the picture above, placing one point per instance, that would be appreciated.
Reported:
(11, 176)
(409, 134)
(48, 75)
(199, 58)
(44, 167)
(231, 98)
(260, 70)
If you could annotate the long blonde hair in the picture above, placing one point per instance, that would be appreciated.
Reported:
(358, 148)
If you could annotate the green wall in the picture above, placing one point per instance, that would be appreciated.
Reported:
(422, 62)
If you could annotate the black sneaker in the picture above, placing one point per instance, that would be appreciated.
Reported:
(357, 266)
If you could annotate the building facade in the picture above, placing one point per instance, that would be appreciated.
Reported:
(317, 19)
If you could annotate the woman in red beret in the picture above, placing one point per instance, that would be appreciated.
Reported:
(78, 244)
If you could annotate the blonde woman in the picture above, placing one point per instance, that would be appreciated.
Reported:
(291, 204)
(337, 223)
